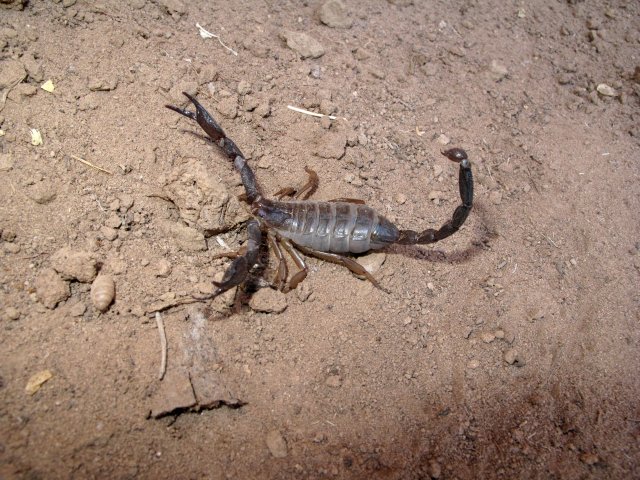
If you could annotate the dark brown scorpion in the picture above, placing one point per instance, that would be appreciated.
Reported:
(326, 230)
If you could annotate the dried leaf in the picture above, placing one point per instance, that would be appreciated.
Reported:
(48, 86)
(36, 137)
(36, 381)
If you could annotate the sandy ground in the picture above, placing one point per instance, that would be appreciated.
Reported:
(509, 350)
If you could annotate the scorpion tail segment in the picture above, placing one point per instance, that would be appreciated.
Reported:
(465, 183)
(465, 180)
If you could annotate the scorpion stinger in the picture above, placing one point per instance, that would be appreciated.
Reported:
(331, 231)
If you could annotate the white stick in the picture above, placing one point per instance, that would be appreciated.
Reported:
(307, 112)
(163, 345)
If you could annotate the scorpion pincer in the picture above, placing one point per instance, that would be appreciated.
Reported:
(326, 230)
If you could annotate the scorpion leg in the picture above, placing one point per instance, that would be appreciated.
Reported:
(357, 201)
(465, 182)
(299, 261)
(305, 191)
(280, 278)
(348, 262)
(237, 272)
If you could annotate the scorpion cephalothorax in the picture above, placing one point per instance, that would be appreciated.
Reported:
(326, 230)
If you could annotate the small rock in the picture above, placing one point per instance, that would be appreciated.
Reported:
(42, 193)
(109, 233)
(228, 107)
(78, 309)
(175, 393)
(6, 162)
(316, 72)
(606, 90)
(512, 358)
(269, 301)
(303, 292)
(173, 7)
(162, 268)
(114, 221)
(473, 364)
(589, 458)
(244, 87)
(276, 444)
(332, 145)
(37, 380)
(495, 197)
(51, 289)
(435, 195)
(498, 71)
(305, 45)
(12, 248)
(103, 84)
(33, 67)
(187, 238)
(435, 470)
(333, 381)
(263, 110)
(68, 3)
(126, 202)
(11, 73)
(334, 14)
(373, 261)
(487, 337)
(75, 265)
(443, 139)
(499, 334)
(401, 198)
(12, 313)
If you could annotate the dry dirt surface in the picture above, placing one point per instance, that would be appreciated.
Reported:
(509, 350)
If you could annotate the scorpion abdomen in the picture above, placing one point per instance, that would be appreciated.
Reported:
(337, 227)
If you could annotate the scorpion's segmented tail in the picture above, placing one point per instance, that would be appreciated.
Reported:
(211, 127)
(465, 182)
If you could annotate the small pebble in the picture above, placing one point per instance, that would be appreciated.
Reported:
(51, 289)
(75, 265)
(334, 14)
(269, 301)
(163, 268)
(109, 233)
(305, 45)
(443, 139)
(276, 444)
(487, 337)
(512, 358)
(606, 90)
(401, 198)
(244, 87)
(12, 313)
(498, 71)
(473, 364)
(372, 262)
(333, 381)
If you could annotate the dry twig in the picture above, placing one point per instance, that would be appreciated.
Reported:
(163, 345)
(90, 164)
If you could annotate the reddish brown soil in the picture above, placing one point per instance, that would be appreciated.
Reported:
(347, 381)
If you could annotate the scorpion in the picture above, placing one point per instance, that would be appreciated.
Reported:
(328, 230)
